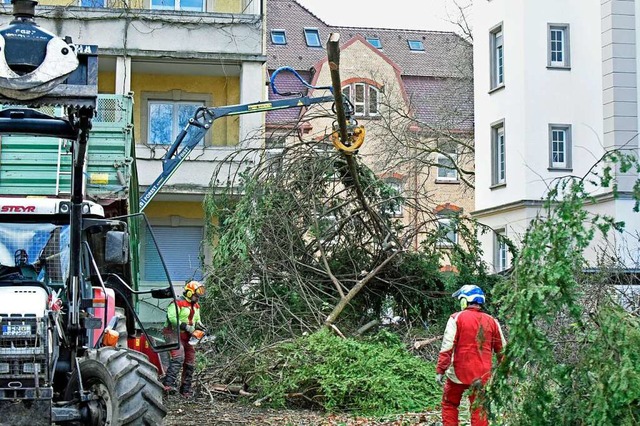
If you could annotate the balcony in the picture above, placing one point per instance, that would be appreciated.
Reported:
(160, 32)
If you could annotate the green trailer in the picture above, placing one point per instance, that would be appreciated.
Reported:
(42, 166)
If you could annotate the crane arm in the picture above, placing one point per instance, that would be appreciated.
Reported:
(202, 121)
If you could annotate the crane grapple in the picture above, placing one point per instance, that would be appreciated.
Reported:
(40, 68)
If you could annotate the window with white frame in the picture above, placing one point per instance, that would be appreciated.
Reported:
(447, 231)
(278, 37)
(364, 97)
(167, 119)
(189, 5)
(500, 251)
(497, 57)
(312, 37)
(394, 207)
(558, 46)
(559, 146)
(499, 154)
(447, 164)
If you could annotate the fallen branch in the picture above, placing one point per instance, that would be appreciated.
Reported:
(419, 344)
(337, 331)
(367, 326)
(231, 389)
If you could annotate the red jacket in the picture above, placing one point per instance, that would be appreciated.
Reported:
(470, 339)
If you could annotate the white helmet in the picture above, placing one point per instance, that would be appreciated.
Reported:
(471, 293)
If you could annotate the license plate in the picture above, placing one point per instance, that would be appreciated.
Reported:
(16, 330)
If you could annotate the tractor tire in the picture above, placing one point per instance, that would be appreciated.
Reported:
(121, 328)
(126, 391)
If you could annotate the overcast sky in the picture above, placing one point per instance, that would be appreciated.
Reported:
(396, 14)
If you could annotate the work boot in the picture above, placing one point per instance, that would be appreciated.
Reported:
(187, 378)
(170, 390)
(169, 380)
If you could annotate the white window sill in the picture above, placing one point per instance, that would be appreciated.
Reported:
(497, 88)
(560, 169)
(559, 67)
(448, 181)
(498, 185)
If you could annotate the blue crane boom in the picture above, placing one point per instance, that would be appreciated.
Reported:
(203, 119)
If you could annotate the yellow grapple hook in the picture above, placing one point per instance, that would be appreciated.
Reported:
(355, 139)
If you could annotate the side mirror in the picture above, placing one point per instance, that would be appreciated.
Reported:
(116, 251)
(162, 293)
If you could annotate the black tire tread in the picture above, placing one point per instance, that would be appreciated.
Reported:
(138, 392)
(121, 328)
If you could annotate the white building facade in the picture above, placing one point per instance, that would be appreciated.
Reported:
(556, 86)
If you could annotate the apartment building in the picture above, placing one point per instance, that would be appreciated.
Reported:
(172, 56)
(412, 91)
(556, 86)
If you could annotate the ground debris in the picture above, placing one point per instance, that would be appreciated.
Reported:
(202, 410)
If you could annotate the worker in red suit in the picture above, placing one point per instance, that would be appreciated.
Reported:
(466, 356)
(187, 318)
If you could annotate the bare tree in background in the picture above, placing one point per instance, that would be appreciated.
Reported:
(461, 17)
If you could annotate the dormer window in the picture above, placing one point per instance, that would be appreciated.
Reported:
(312, 36)
(375, 42)
(416, 45)
(278, 37)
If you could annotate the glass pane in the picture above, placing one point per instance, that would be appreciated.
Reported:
(163, 4)
(451, 235)
(37, 251)
(346, 91)
(88, 3)
(185, 112)
(375, 42)
(359, 93)
(160, 123)
(503, 256)
(152, 309)
(446, 169)
(415, 45)
(448, 231)
(278, 37)
(373, 100)
(499, 62)
(501, 158)
(196, 5)
(312, 37)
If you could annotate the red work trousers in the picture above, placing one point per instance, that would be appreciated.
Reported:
(451, 398)
(185, 351)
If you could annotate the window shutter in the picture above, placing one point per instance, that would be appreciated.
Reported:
(180, 247)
